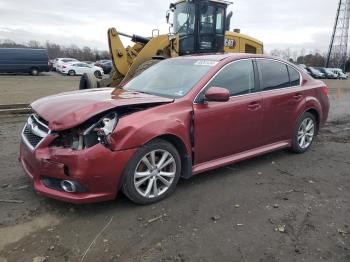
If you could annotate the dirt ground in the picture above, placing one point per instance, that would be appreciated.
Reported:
(24, 89)
(277, 207)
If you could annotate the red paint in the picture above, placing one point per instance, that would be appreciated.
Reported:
(223, 132)
(217, 94)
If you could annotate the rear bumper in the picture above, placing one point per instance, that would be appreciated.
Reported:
(98, 170)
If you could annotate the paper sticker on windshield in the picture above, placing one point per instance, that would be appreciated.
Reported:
(206, 63)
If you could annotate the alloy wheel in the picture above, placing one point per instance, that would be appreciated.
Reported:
(306, 133)
(155, 173)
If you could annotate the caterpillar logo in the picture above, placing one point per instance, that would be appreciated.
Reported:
(230, 43)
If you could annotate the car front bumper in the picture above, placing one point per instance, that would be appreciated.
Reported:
(97, 169)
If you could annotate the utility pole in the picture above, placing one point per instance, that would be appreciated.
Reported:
(338, 48)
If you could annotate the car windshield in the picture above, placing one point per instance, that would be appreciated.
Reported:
(172, 78)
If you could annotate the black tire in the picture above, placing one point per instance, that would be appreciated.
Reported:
(296, 147)
(97, 74)
(71, 72)
(129, 187)
(144, 66)
(34, 71)
(88, 81)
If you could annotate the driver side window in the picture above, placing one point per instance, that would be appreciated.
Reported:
(237, 77)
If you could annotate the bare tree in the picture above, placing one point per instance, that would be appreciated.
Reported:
(56, 50)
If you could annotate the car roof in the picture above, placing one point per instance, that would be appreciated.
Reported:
(229, 56)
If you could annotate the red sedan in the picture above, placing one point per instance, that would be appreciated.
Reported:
(179, 118)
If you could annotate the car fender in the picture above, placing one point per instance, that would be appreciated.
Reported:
(137, 129)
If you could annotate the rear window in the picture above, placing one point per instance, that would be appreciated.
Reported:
(294, 76)
(274, 75)
(68, 60)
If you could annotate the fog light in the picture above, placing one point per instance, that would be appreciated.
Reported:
(68, 186)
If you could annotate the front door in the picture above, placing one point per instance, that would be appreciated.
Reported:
(225, 128)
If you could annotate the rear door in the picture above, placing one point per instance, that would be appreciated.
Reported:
(283, 99)
(225, 128)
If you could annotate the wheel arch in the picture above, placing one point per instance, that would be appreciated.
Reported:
(178, 143)
(34, 68)
(316, 114)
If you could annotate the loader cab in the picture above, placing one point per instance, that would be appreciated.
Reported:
(200, 25)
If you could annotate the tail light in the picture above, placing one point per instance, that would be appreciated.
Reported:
(325, 90)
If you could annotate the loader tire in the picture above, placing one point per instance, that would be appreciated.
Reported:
(88, 81)
(144, 66)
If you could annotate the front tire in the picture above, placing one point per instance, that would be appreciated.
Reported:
(304, 133)
(153, 172)
(34, 71)
(71, 73)
(88, 81)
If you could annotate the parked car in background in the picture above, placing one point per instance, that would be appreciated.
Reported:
(61, 61)
(107, 67)
(54, 61)
(23, 60)
(88, 62)
(181, 117)
(329, 74)
(315, 73)
(339, 73)
(79, 68)
(102, 61)
(303, 68)
(51, 63)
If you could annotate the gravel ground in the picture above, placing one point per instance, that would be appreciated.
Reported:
(19, 89)
(278, 207)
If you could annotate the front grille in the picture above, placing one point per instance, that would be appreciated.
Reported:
(34, 131)
(32, 138)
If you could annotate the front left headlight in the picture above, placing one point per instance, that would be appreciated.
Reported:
(91, 133)
(100, 131)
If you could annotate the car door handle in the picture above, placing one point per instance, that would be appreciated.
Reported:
(298, 96)
(254, 106)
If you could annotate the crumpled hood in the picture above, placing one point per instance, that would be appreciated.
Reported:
(67, 110)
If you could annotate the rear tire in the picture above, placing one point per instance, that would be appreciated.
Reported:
(98, 74)
(34, 71)
(304, 133)
(88, 81)
(150, 179)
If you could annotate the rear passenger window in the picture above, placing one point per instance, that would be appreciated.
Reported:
(274, 75)
(294, 76)
(237, 77)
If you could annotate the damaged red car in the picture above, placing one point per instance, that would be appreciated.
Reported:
(179, 118)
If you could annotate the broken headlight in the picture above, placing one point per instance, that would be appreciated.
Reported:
(89, 134)
(100, 131)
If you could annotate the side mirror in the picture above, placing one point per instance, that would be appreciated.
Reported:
(217, 94)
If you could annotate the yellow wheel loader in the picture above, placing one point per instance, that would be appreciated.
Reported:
(198, 26)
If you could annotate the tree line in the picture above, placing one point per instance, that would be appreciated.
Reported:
(315, 58)
(55, 50)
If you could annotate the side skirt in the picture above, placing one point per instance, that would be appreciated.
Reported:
(203, 167)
